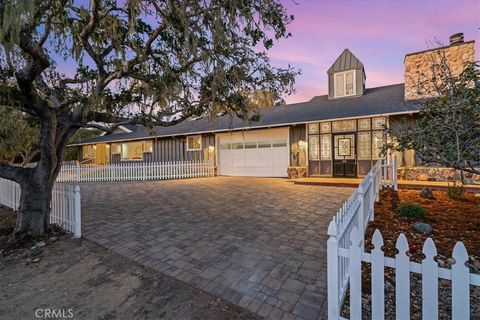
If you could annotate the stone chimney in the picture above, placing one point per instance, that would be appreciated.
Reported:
(418, 65)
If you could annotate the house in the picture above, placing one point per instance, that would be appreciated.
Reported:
(339, 134)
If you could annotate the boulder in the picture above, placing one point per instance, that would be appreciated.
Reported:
(427, 193)
(422, 227)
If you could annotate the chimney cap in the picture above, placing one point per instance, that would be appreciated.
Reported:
(456, 38)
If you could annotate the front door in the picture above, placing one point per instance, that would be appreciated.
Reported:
(344, 155)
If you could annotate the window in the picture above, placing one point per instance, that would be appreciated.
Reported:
(344, 126)
(250, 145)
(148, 146)
(279, 143)
(132, 151)
(363, 124)
(116, 148)
(237, 145)
(313, 128)
(325, 127)
(225, 146)
(378, 142)
(194, 143)
(344, 83)
(364, 146)
(378, 123)
(313, 145)
(326, 147)
(89, 151)
(264, 144)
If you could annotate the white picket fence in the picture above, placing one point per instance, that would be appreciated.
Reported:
(65, 205)
(132, 171)
(345, 252)
(459, 275)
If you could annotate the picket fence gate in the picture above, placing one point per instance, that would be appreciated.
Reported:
(136, 171)
(65, 205)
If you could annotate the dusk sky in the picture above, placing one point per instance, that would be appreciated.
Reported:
(379, 33)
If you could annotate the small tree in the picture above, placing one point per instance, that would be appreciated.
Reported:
(149, 62)
(447, 130)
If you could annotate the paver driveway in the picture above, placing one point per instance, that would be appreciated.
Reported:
(259, 243)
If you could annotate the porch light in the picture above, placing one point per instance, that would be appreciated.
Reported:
(301, 144)
(211, 149)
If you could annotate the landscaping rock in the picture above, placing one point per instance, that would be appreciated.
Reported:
(473, 268)
(41, 244)
(52, 239)
(427, 193)
(422, 227)
(36, 250)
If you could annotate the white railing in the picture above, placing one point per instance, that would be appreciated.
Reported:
(459, 276)
(65, 205)
(137, 171)
(356, 212)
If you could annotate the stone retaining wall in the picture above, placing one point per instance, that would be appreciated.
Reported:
(436, 174)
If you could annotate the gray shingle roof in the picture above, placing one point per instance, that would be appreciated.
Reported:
(375, 101)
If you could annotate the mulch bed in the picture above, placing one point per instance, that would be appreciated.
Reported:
(452, 220)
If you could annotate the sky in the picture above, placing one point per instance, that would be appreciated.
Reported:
(379, 34)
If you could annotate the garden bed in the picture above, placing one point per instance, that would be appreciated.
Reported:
(451, 220)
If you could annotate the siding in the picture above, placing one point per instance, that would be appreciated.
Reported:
(175, 149)
(298, 155)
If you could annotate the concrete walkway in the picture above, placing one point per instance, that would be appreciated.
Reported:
(259, 243)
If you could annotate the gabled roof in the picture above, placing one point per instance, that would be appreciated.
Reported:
(346, 61)
(376, 101)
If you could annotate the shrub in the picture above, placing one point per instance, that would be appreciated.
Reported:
(411, 210)
(456, 191)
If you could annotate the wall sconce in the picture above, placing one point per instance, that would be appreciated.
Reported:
(211, 149)
(301, 144)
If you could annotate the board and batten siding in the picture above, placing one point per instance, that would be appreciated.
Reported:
(298, 151)
(175, 149)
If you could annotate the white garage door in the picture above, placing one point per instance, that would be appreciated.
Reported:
(258, 153)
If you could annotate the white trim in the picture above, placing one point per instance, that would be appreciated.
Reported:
(195, 136)
(248, 128)
(344, 73)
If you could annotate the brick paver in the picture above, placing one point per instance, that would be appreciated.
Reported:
(259, 243)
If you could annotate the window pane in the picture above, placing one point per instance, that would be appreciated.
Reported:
(194, 143)
(148, 146)
(326, 147)
(250, 145)
(89, 151)
(279, 143)
(313, 128)
(363, 124)
(264, 144)
(132, 151)
(325, 127)
(364, 146)
(116, 148)
(349, 83)
(344, 126)
(340, 85)
(225, 146)
(378, 142)
(378, 123)
(313, 148)
(237, 145)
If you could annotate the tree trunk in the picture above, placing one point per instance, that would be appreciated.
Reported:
(34, 211)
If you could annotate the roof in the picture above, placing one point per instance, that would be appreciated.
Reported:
(376, 101)
(346, 61)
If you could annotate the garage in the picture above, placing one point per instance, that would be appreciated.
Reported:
(256, 153)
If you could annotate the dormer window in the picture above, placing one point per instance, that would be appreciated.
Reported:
(344, 83)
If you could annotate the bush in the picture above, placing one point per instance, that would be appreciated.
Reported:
(456, 191)
(411, 210)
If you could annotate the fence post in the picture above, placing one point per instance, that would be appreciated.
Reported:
(78, 213)
(361, 214)
(78, 173)
(395, 173)
(332, 272)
